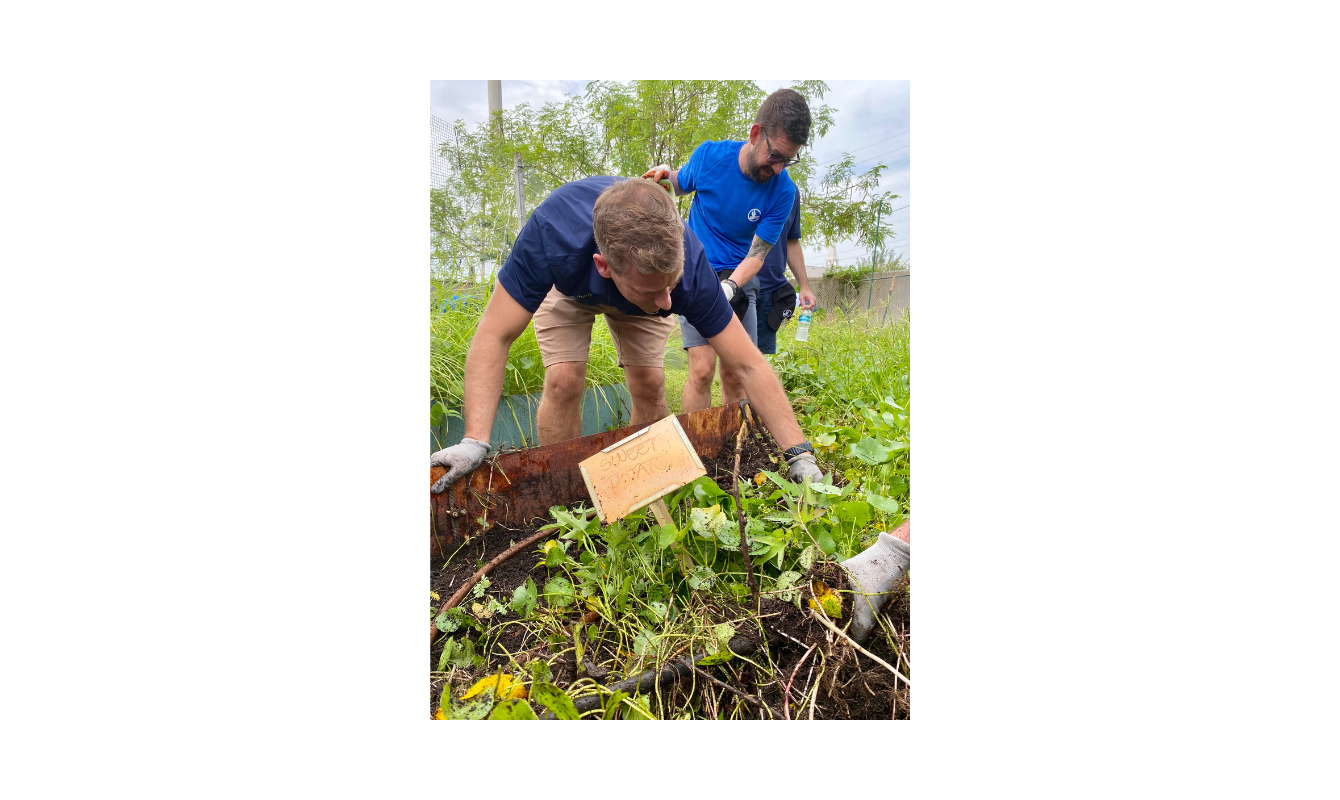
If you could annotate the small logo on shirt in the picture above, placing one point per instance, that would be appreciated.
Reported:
(754, 214)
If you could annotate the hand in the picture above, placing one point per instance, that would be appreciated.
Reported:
(729, 289)
(661, 174)
(808, 300)
(804, 468)
(459, 459)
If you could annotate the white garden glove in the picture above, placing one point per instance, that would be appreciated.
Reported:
(804, 468)
(661, 174)
(458, 459)
(729, 289)
(874, 571)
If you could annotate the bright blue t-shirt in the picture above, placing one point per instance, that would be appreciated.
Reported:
(730, 209)
(773, 273)
(556, 247)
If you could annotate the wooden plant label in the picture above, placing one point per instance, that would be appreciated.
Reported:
(641, 469)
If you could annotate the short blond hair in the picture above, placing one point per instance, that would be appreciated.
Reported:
(637, 226)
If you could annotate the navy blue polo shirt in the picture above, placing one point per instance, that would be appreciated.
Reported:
(730, 209)
(555, 249)
(773, 273)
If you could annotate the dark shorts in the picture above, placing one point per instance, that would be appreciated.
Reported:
(767, 337)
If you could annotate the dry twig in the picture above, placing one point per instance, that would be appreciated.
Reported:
(739, 513)
(852, 642)
(786, 690)
(724, 685)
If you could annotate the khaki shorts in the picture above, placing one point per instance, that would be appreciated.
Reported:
(563, 329)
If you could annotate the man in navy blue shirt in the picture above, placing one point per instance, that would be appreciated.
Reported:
(742, 202)
(774, 288)
(616, 247)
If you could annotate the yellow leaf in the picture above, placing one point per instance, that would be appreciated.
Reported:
(504, 686)
(434, 595)
(439, 715)
(830, 602)
(760, 478)
(550, 545)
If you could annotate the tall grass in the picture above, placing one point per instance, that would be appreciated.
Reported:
(454, 318)
(846, 358)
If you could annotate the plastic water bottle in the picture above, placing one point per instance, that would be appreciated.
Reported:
(803, 325)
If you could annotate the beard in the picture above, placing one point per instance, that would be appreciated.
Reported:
(756, 168)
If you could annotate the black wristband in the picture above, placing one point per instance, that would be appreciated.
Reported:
(803, 447)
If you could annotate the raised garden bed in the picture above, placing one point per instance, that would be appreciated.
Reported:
(796, 666)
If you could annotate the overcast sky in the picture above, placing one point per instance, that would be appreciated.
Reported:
(872, 122)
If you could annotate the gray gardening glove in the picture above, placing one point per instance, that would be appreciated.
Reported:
(458, 459)
(873, 573)
(804, 468)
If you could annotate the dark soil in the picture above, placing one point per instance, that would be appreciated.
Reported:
(852, 687)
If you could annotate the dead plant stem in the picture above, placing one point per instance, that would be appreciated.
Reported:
(852, 642)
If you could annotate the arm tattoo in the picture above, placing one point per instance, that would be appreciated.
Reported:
(759, 249)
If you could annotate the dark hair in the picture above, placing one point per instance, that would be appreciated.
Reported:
(785, 110)
(638, 227)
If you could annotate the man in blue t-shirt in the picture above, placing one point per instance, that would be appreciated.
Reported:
(773, 287)
(743, 198)
(616, 247)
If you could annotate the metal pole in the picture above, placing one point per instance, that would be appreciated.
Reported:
(870, 296)
(495, 106)
(520, 195)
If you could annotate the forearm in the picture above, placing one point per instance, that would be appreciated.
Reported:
(747, 269)
(795, 259)
(769, 400)
(485, 367)
(674, 181)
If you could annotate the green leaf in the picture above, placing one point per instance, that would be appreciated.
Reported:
(824, 488)
(808, 555)
(644, 644)
(540, 672)
(460, 652)
(787, 581)
(657, 612)
(447, 650)
(729, 536)
(643, 704)
(786, 486)
(555, 556)
(826, 541)
(858, 513)
(719, 657)
(554, 699)
(478, 707)
(708, 522)
(762, 544)
(724, 633)
(451, 620)
(888, 505)
(524, 597)
(705, 488)
(825, 439)
(666, 535)
(702, 578)
(558, 592)
(869, 451)
(613, 702)
(513, 709)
